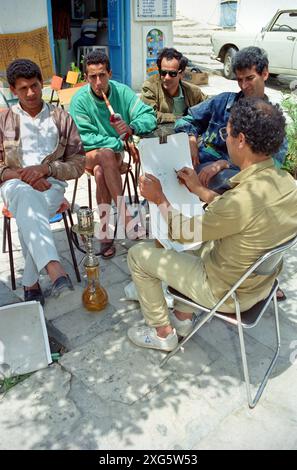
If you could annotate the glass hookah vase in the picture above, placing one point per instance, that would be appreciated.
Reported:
(94, 297)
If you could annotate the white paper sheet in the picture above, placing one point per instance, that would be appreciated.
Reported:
(161, 160)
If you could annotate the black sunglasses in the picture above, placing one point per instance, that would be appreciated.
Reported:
(171, 73)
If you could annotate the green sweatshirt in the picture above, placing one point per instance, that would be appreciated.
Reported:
(92, 117)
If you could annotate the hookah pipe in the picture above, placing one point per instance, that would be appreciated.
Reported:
(131, 149)
(114, 116)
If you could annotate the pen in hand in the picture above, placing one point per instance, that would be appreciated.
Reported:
(178, 177)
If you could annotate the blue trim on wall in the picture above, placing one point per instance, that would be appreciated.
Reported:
(127, 41)
(50, 30)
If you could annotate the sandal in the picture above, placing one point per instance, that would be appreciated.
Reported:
(105, 247)
(280, 295)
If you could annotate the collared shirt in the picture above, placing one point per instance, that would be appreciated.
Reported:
(179, 104)
(38, 135)
(207, 118)
(256, 215)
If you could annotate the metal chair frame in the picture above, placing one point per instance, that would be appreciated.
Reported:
(129, 174)
(265, 265)
(7, 237)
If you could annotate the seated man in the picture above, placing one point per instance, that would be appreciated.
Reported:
(39, 150)
(250, 66)
(102, 138)
(237, 228)
(167, 93)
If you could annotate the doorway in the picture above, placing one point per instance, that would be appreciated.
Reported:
(90, 23)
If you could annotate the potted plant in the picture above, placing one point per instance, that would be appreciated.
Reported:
(289, 104)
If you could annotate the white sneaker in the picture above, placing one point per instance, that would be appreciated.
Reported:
(182, 327)
(146, 337)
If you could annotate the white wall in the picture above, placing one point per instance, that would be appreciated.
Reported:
(138, 46)
(252, 15)
(18, 16)
(203, 11)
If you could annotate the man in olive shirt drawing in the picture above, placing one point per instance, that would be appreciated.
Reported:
(237, 228)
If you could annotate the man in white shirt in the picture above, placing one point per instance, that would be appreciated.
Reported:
(40, 149)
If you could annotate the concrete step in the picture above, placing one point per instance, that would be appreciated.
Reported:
(193, 32)
(188, 23)
(193, 40)
(204, 62)
(193, 49)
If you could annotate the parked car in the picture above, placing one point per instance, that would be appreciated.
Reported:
(278, 39)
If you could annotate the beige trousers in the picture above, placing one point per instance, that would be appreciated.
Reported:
(184, 272)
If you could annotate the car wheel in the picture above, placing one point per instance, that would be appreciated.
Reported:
(228, 73)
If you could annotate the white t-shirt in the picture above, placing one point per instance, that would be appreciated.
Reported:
(38, 135)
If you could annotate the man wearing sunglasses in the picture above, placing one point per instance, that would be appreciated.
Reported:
(166, 92)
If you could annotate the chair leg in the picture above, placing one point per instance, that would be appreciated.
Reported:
(74, 194)
(70, 243)
(186, 338)
(253, 401)
(134, 181)
(7, 232)
(4, 235)
(90, 191)
(128, 186)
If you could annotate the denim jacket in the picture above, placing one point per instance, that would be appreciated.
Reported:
(205, 120)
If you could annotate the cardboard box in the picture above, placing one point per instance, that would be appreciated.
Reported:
(197, 78)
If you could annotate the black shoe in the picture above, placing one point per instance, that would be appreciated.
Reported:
(34, 294)
(61, 286)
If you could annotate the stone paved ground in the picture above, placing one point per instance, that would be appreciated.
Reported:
(105, 393)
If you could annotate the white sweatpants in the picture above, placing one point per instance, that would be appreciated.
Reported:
(32, 210)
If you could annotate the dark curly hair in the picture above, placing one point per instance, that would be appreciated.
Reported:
(170, 53)
(249, 57)
(261, 122)
(22, 68)
(97, 57)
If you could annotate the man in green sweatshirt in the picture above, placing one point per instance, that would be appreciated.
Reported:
(102, 139)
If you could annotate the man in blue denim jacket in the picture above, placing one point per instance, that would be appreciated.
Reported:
(206, 119)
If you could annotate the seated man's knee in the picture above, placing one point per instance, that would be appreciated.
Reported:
(98, 174)
(138, 252)
(109, 160)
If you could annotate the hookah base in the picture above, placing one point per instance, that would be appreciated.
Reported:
(95, 300)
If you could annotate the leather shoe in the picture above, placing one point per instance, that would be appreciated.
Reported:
(34, 294)
(61, 286)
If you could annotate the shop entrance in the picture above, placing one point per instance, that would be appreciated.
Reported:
(78, 26)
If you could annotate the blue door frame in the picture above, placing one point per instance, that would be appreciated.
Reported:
(50, 30)
(119, 39)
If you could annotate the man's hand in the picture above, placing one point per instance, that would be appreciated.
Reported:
(151, 189)
(41, 185)
(189, 177)
(194, 150)
(121, 127)
(31, 174)
(211, 170)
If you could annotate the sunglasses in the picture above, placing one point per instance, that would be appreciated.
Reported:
(171, 73)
